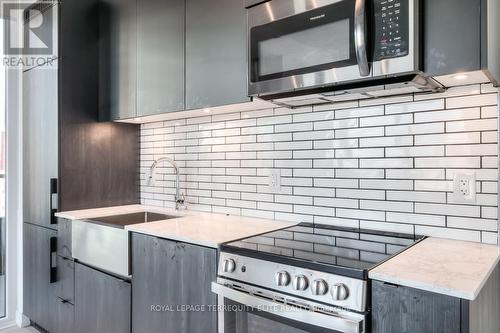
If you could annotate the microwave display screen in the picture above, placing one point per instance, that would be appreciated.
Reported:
(303, 48)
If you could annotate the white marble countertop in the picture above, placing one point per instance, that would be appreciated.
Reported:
(117, 210)
(444, 266)
(199, 228)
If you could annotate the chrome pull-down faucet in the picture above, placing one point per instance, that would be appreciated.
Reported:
(180, 200)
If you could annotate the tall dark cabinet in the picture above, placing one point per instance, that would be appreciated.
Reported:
(70, 160)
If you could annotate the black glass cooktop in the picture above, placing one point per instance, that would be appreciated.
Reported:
(343, 251)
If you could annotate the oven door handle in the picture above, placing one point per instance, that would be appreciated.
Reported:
(336, 323)
(360, 37)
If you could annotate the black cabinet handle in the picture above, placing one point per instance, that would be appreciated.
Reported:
(53, 190)
(53, 259)
(63, 301)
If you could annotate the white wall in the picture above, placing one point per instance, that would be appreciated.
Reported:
(385, 164)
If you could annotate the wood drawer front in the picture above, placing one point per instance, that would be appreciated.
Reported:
(65, 286)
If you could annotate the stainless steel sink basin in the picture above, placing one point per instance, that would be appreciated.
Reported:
(120, 221)
(103, 242)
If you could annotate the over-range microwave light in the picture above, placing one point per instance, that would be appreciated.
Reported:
(207, 110)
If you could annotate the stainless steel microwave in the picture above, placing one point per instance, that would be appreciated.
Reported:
(297, 45)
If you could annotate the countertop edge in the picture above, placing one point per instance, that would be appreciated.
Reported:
(453, 292)
(424, 286)
(175, 238)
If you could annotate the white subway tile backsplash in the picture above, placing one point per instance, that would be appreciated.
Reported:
(414, 196)
(415, 129)
(384, 164)
(471, 101)
(474, 224)
(386, 120)
(447, 115)
(472, 150)
(433, 220)
(437, 104)
(360, 112)
(389, 141)
(392, 206)
(415, 151)
(451, 210)
(385, 226)
(448, 162)
(458, 234)
(472, 125)
(385, 184)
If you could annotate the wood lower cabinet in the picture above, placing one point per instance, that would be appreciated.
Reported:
(169, 275)
(39, 278)
(402, 309)
(102, 302)
(407, 310)
(64, 315)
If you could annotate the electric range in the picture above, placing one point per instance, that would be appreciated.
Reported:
(313, 278)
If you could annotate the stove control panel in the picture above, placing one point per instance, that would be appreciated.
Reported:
(328, 288)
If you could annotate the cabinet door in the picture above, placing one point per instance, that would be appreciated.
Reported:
(450, 45)
(408, 310)
(40, 144)
(65, 286)
(102, 302)
(64, 317)
(171, 275)
(160, 56)
(38, 287)
(117, 59)
(216, 57)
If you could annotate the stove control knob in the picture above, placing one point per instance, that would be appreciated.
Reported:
(300, 283)
(228, 266)
(319, 287)
(282, 279)
(340, 292)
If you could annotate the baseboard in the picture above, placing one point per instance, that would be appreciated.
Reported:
(22, 320)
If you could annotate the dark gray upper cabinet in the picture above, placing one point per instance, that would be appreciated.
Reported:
(172, 274)
(216, 57)
(102, 302)
(117, 59)
(40, 144)
(38, 289)
(160, 56)
(452, 36)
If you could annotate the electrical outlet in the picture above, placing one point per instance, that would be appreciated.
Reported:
(275, 181)
(464, 187)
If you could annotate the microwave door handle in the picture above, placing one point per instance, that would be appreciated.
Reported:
(331, 322)
(360, 37)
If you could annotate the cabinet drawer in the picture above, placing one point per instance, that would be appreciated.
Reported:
(65, 286)
(64, 238)
(64, 317)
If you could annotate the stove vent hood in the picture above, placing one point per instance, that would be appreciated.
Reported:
(402, 85)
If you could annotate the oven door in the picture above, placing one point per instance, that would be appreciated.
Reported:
(242, 312)
(304, 43)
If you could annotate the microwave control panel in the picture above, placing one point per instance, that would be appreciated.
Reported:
(391, 28)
